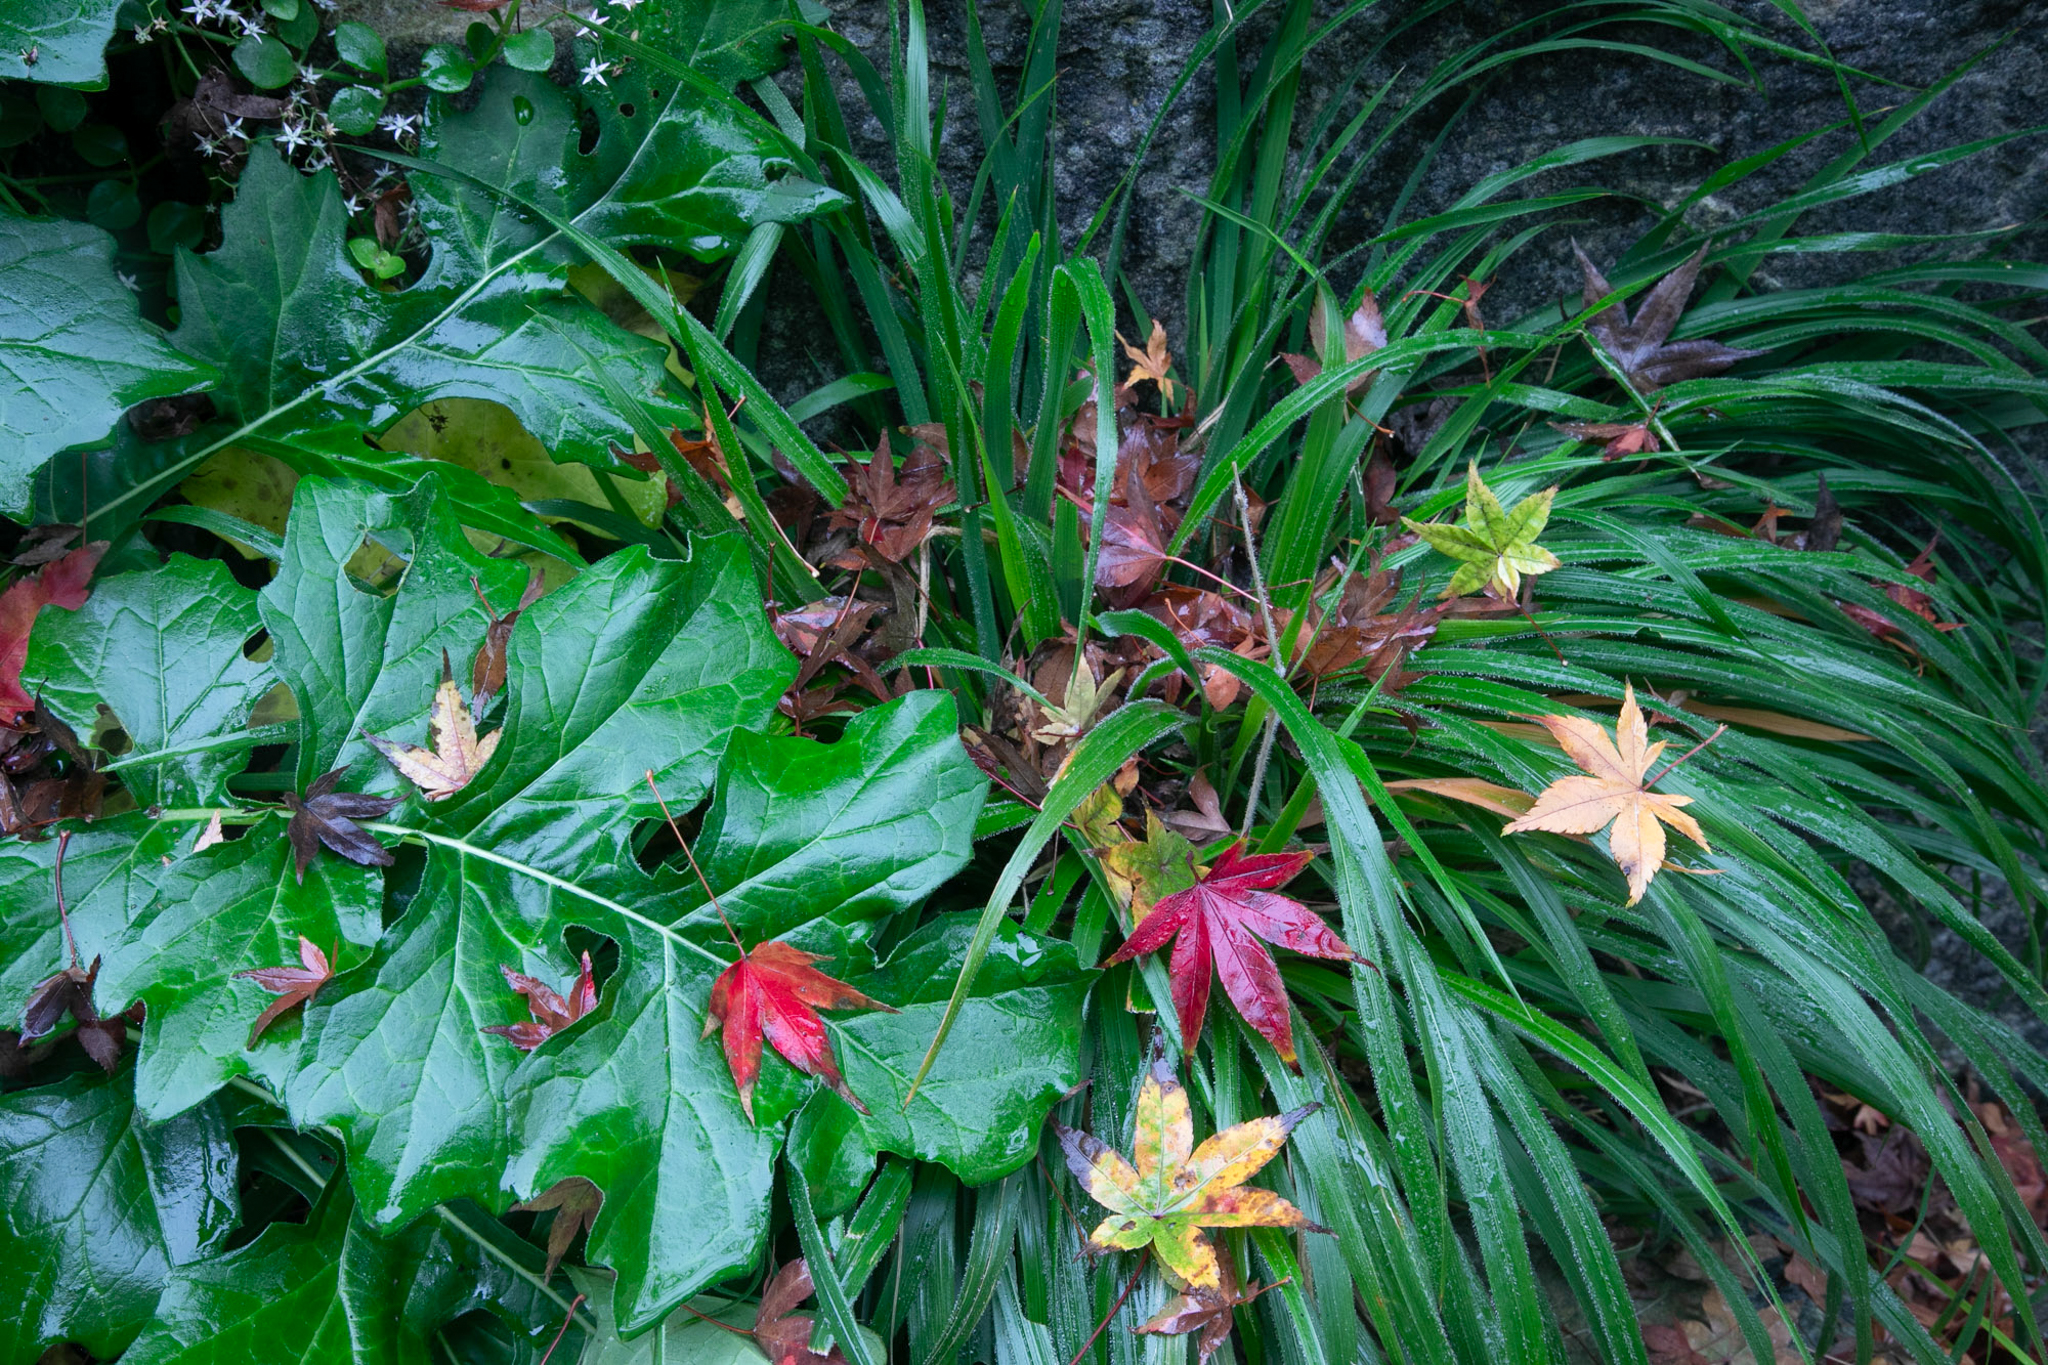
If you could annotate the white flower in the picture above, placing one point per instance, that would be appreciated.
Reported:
(235, 129)
(354, 204)
(594, 72)
(207, 146)
(128, 280)
(320, 162)
(250, 28)
(143, 33)
(292, 138)
(627, 5)
(400, 126)
(308, 75)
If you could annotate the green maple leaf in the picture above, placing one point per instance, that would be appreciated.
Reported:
(1494, 547)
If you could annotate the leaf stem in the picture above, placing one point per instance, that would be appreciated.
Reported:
(1114, 1308)
(64, 915)
(1719, 730)
(468, 849)
(701, 879)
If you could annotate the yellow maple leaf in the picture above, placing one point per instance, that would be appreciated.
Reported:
(1612, 791)
(457, 756)
(1175, 1189)
(1151, 363)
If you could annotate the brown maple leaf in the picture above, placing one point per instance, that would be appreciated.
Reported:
(1207, 1311)
(487, 673)
(551, 1012)
(1366, 629)
(1639, 344)
(70, 992)
(1150, 452)
(1616, 439)
(575, 1202)
(457, 756)
(1133, 548)
(326, 816)
(890, 510)
(783, 1334)
(776, 992)
(1612, 791)
(1151, 363)
(293, 986)
(1364, 333)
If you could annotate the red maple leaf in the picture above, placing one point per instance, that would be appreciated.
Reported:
(293, 986)
(62, 583)
(1222, 919)
(775, 991)
(551, 1013)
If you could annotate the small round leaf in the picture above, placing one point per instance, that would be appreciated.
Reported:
(62, 109)
(354, 110)
(281, 9)
(533, 50)
(360, 47)
(99, 144)
(265, 61)
(113, 206)
(446, 68)
(174, 224)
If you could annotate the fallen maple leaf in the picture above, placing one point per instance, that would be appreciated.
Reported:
(293, 986)
(783, 1334)
(551, 1013)
(1208, 1311)
(1364, 333)
(62, 583)
(457, 756)
(1176, 1189)
(1494, 547)
(892, 510)
(326, 816)
(1222, 919)
(1151, 363)
(487, 672)
(70, 992)
(1616, 439)
(1612, 791)
(1639, 344)
(575, 1202)
(775, 991)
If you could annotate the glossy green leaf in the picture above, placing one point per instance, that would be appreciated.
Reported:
(230, 909)
(980, 1109)
(276, 1299)
(111, 869)
(360, 46)
(98, 1207)
(533, 50)
(60, 41)
(163, 650)
(264, 61)
(354, 109)
(74, 351)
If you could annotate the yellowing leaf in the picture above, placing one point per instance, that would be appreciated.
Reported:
(1142, 872)
(487, 437)
(1494, 547)
(1612, 791)
(457, 756)
(1174, 1189)
(1473, 791)
(1151, 363)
